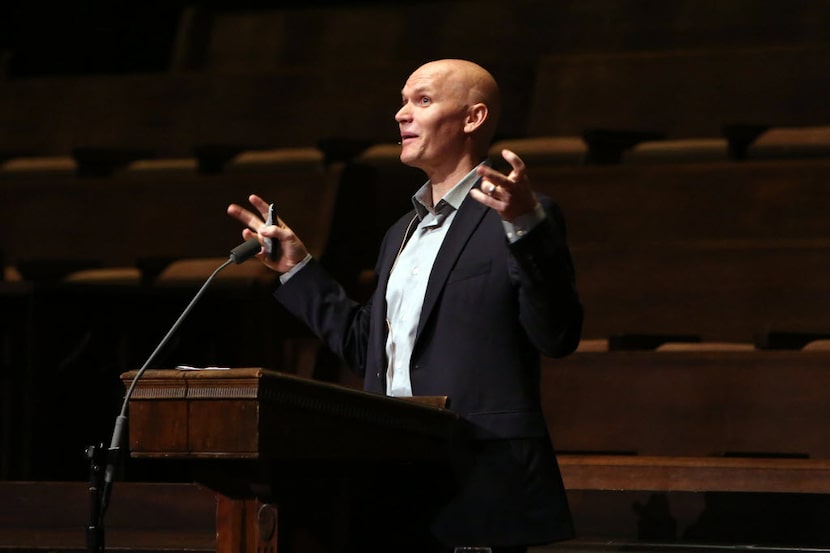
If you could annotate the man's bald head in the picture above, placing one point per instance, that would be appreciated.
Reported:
(473, 85)
(448, 117)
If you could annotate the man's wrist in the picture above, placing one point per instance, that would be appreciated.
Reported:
(286, 276)
(524, 223)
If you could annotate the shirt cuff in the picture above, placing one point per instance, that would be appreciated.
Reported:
(293, 270)
(523, 224)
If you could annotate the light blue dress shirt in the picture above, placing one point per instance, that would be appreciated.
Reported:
(409, 277)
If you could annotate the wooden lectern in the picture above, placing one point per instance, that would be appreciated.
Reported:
(259, 438)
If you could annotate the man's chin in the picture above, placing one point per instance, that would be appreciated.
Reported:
(408, 159)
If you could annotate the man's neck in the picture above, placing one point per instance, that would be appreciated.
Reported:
(443, 181)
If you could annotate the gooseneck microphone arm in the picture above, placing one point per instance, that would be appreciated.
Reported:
(95, 537)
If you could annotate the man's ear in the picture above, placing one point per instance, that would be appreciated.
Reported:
(476, 116)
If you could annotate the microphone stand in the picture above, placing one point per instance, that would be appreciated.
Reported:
(95, 531)
(100, 483)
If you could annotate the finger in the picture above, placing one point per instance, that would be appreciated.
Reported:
(488, 174)
(246, 217)
(260, 205)
(247, 234)
(489, 201)
(502, 190)
(280, 232)
(515, 162)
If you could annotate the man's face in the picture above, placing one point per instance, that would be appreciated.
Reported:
(431, 118)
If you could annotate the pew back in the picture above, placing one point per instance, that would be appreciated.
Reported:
(680, 93)
(692, 404)
(723, 250)
(147, 213)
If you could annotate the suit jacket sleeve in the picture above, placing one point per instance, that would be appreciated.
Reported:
(550, 309)
(343, 324)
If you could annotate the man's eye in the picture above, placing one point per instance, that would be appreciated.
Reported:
(425, 101)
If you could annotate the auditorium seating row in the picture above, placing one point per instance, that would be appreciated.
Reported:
(693, 443)
(613, 100)
(672, 178)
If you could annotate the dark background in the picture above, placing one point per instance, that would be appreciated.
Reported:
(88, 37)
(94, 37)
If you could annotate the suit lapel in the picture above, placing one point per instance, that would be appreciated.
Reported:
(402, 232)
(466, 221)
(397, 235)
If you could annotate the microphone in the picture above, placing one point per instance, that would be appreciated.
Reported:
(245, 250)
(102, 493)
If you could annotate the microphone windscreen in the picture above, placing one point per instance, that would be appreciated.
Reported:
(246, 250)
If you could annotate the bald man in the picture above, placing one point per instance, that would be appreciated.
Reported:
(473, 285)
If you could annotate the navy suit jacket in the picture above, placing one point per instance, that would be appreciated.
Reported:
(490, 309)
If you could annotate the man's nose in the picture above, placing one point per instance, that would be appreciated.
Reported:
(403, 113)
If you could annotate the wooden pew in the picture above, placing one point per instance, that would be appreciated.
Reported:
(689, 403)
(791, 143)
(771, 143)
(717, 291)
(719, 249)
(680, 93)
(171, 115)
(173, 517)
(693, 446)
(544, 150)
(683, 150)
(159, 209)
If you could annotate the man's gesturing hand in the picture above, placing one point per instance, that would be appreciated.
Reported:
(510, 195)
(292, 249)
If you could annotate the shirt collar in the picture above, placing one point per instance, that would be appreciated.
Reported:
(422, 200)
